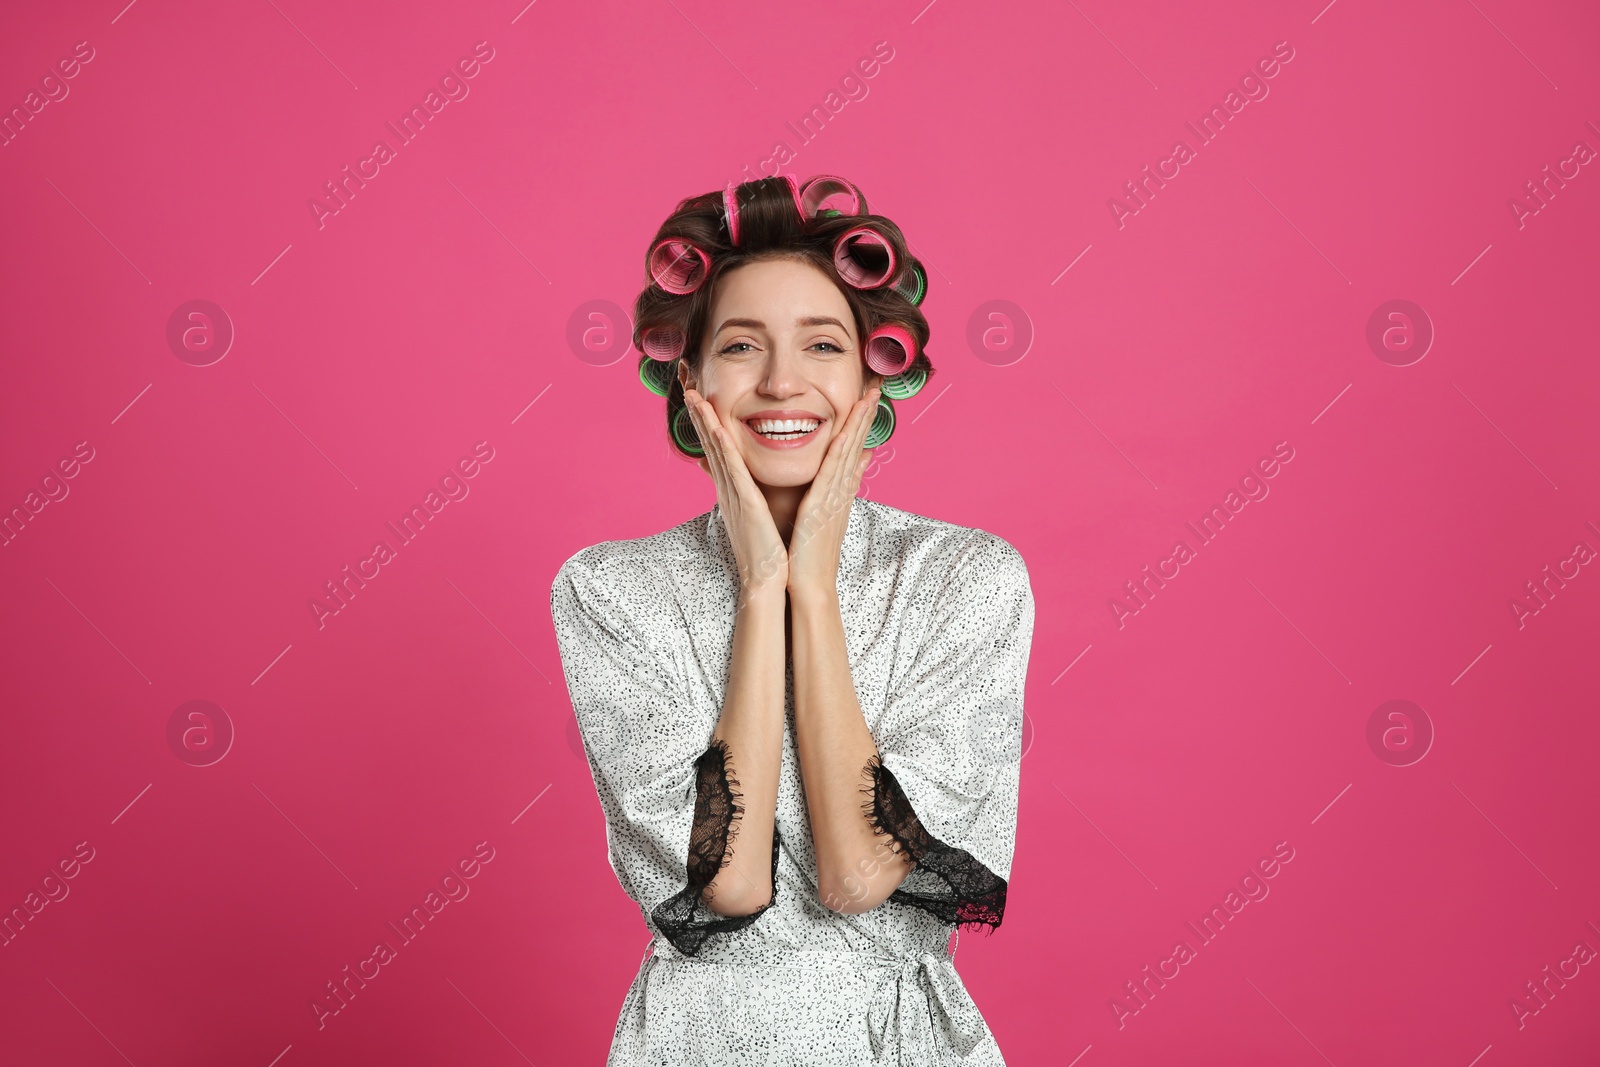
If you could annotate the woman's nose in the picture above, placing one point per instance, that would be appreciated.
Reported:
(781, 376)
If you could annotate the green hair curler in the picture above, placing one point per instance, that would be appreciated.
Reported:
(912, 284)
(684, 435)
(906, 384)
(882, 424)
(656, 375)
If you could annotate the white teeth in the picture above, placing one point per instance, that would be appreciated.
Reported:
(784, 427)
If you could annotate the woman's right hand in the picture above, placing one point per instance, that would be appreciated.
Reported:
(762, 558)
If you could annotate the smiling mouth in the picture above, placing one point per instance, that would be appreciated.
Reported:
(783, 429)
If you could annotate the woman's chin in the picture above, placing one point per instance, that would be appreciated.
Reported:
(783, 473)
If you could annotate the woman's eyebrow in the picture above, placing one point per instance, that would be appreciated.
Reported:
(757, 324)
(754, 324)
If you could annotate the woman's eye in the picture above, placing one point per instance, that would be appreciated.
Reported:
(737, 348)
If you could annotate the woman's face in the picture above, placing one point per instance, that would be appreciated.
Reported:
(782, 357)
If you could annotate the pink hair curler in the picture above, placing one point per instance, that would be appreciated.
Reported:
(890, 350)
(679, 266)
(730, 205)
(664, 343)
(794, 191)
(730, 212)
(864, 257)
(817, 191)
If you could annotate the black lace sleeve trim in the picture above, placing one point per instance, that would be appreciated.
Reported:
(684, 919)
(961, 890)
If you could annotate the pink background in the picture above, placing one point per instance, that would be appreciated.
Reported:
(1121, 399)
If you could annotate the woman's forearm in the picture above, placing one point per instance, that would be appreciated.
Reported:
(856, 868)
(751, 725)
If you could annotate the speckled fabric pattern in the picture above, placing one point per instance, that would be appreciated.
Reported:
(938, 624)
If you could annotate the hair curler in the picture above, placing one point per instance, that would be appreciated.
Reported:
(794, 191)
(912, 284)
(678, 265)
(905, 385)
(656, 375)
(730, 212)
(864, 257)
(882, 424)
(818, 190)
(662, 342)
(890, 350)
(730, 204)
(684, 436)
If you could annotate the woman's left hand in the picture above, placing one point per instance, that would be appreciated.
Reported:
(824, 513)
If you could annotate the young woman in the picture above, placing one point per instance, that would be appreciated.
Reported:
(802, 709)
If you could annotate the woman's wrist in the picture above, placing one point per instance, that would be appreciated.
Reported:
(763, 594)
(816, 593)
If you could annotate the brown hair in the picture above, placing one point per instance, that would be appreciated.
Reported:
(770, 227)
